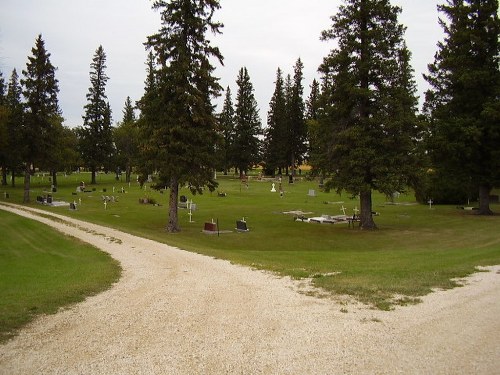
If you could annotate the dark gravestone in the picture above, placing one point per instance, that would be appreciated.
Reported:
(49, 199)
(72, 206)
(210, 227)
(241, 226)
(183, 199)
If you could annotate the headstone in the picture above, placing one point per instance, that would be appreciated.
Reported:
(49, 199)
(72, 206)
(273, 189)
(210, 227)
(312, 193)
(183, 198)
(241, 225)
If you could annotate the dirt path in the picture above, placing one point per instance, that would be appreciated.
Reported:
(175, 312)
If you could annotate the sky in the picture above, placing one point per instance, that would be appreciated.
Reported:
(261, 35)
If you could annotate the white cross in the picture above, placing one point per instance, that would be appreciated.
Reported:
(343, 209)
(105, 205)
(356, 210)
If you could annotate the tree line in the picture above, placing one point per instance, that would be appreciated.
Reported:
(360, 129)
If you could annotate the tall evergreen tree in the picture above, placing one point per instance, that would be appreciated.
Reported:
(275, 141)
(126, 139)
(463, 103)
(248, 126)
(96, 142)
(149, 119)
(317, 151)
(184, 134)
(15, 129)
(369, 117)
(226, 123)
(43, 116)
(297, 130)
(4, 115)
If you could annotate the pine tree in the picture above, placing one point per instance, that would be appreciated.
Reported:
(276, 132)
(463, 104)
(226, 122)
(183, 135)
(126, 139)
(248, 126)
(297, 130)
(43, 116)
(4, 115)
(369, 103)
(96, 142)
(15, 129)
(317, 141)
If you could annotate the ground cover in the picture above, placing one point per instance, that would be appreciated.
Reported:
(417, 247)
(42, 270)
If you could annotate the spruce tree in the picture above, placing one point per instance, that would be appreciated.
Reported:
(96, 142)
(3, 130)
(369, 103)
(463, 105)
(126, 139)
(15, 123)
(297, 130)
(248, 126)
(43, 116)
(226, 124)
(276, 131)
(183, 134)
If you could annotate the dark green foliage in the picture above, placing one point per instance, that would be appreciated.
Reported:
(368, 118)
(275, 133)
(126, 137)
(463, 105)
(3, 130)
(14, 135)
(247, 124)
(43, 118)
(225, 150)
(179, 125)
(297, 130)
(96, 142)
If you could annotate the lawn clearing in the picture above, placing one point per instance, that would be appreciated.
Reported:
(416, 249)
(42, 270)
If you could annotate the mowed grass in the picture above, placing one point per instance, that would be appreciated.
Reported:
(416, 248)
(42, 270)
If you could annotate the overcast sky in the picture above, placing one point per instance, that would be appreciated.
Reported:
(259, 34)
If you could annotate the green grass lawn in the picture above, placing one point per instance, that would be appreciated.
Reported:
(415, 249)
(42, 270)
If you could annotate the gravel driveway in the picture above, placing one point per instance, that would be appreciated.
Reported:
(176, 312)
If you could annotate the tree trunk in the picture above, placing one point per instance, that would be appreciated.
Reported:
(4, 176)
(484, 200)
(27, 180)
(93, 181)
(365, 216)
(54, 178)
(173, 221)
(128, 172)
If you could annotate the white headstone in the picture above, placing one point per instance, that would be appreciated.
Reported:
(273, 189)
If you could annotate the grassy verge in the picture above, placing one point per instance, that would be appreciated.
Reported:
(42, 270)
(417, 248)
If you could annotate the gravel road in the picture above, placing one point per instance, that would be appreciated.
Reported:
(176, 312)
